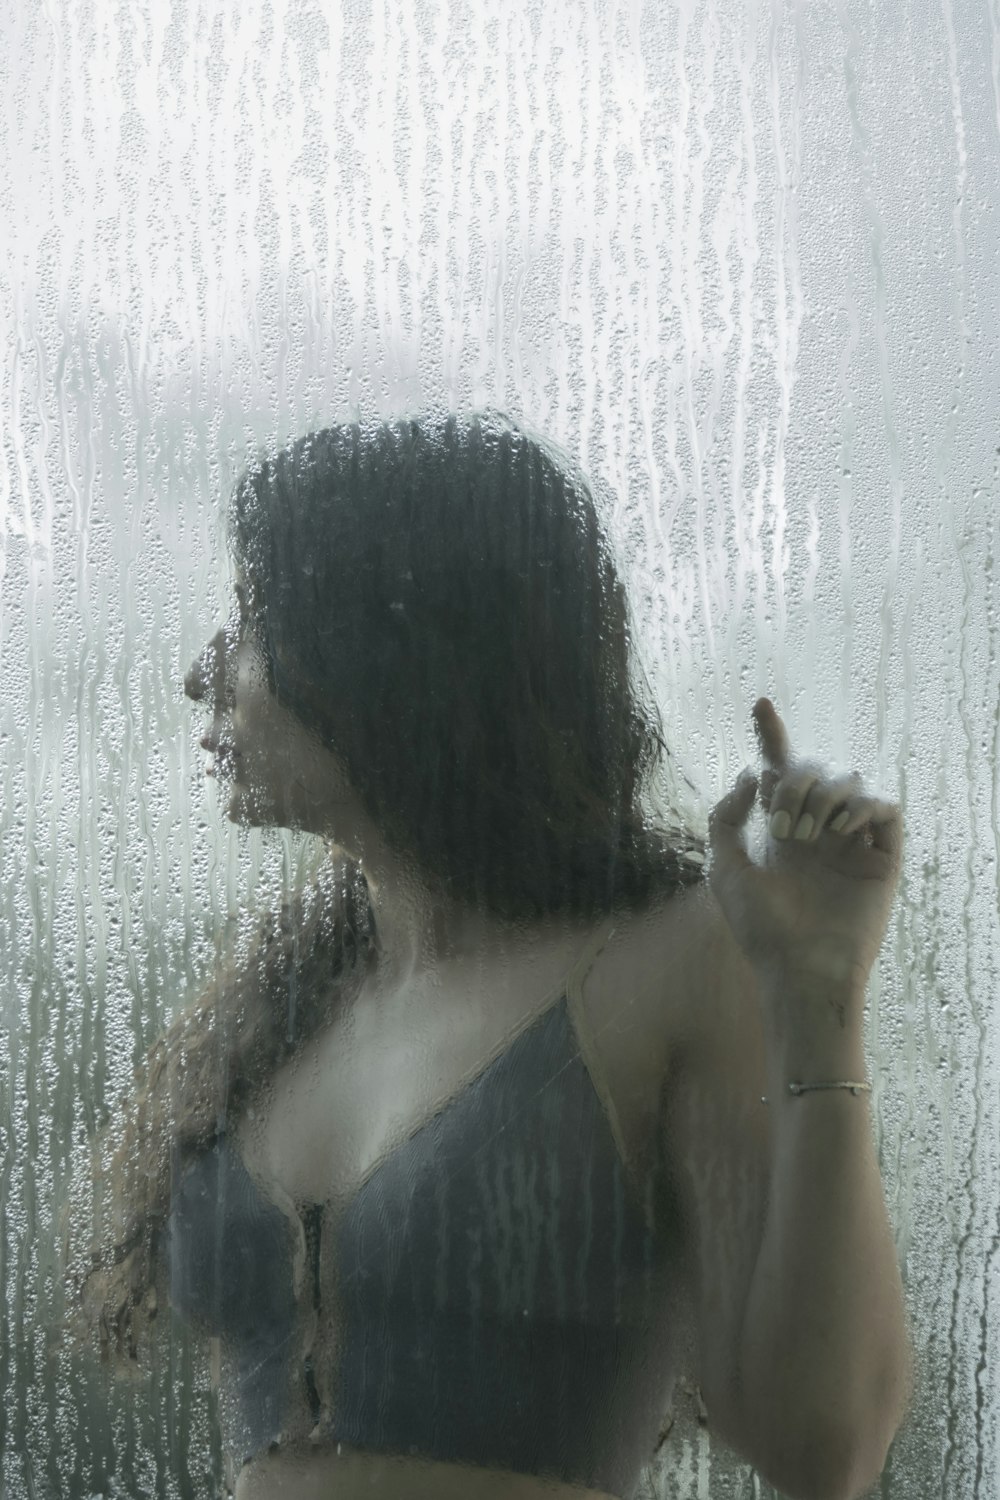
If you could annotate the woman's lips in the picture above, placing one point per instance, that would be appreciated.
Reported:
(226, 756)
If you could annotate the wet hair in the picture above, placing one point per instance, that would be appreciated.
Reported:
(436, 601)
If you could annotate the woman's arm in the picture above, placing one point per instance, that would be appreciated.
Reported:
(818, 1370)
(801, 1346)
(823, 1348)
(801, 1349)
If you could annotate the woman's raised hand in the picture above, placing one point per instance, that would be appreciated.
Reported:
(817, 909)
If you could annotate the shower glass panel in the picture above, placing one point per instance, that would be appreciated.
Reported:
(733, 267)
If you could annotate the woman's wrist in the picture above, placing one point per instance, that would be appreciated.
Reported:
(814, 1032)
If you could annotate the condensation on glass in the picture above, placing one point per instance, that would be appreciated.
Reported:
(739, 263)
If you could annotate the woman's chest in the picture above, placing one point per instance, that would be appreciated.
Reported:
(354, 1094)
(389, 1064)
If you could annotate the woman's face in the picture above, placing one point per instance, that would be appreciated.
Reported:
(277, 773)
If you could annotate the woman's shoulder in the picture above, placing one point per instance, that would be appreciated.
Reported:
(642, 989)
(670, 1018)
(639, 1006)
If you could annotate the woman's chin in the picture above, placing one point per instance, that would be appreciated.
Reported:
(242, 806)
(248, 807)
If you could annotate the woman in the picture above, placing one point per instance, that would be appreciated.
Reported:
(468, 1157)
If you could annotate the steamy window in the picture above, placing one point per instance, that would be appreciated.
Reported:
(427, 432)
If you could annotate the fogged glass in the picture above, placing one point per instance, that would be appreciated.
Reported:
(736, 267)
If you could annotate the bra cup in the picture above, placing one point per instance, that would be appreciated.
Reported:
(235, 1267)
(502, 1294)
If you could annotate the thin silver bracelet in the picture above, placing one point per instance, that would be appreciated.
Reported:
(802, 1088)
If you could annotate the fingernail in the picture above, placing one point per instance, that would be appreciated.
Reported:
(781, 822)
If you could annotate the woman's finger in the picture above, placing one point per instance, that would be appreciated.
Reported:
(814, 802)
(774, 742)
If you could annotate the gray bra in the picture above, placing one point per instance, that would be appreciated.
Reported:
(500, 1297)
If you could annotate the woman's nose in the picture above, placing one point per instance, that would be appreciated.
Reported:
(193, 681)
(204, 674)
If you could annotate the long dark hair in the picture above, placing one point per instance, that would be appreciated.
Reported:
(436, 600)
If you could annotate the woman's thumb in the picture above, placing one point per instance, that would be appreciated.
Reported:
(726, 822)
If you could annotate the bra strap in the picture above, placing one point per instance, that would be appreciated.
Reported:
(581, 967)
